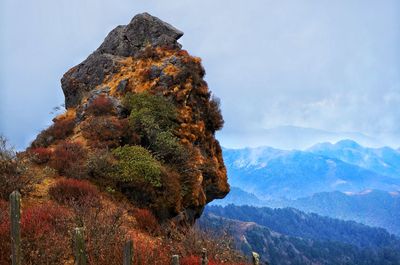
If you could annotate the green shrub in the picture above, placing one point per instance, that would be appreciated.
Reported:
(154, 118)
(136, 164)
(100, 165)
(150, 115)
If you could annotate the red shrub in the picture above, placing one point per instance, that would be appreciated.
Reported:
(73, 191)
(39, 220)
(154, 253)
(5, 247)
(196, 260)
(190, 260)
(60, 130)
(147, 222)
(69, 159)
(44, 232)
(104, 131)
(101, 105)
(41, 155)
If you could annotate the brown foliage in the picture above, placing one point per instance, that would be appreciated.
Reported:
(60, 130)
(101, 105)
(73, 191)
(105, 131)
(40, 155)
(169, 201)
(214, 120)
(154, 253)
(69, 159)
(5, 247)
(100, 165)
(12, 172)
(105, 236)
(220, 247)
(196, 260)
(147, 222)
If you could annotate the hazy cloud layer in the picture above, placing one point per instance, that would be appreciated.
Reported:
(329, 65)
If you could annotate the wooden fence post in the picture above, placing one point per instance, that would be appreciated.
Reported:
(175, 260)
(256, 258)
(15, 213)
(128, 253)
(204, 259)
(79, 247)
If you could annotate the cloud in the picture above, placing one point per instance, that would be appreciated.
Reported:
(330, 65)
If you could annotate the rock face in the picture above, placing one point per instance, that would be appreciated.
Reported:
(123, 41)
(144, 56)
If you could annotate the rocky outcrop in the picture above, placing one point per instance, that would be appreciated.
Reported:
(123, 41)
(145, 56)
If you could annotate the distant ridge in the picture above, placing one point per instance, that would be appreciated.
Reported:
(293, 137)
(342, 180)
(276, 174)
(383, 160)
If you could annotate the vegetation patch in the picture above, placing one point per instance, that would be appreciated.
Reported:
(101, 105)
(154, 119)
(60, 130)
(104, 131)
(69, 159)
(136, 164)
(73, 191)
(41, 155)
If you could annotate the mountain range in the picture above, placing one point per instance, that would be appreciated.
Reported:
(343, 180)
(346, 166)
(384, 160)
(374, 208)
(290, 236)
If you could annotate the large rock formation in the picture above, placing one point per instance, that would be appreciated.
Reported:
(144, 56)
(121, 42)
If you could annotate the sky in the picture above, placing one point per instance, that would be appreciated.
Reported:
(317, 67)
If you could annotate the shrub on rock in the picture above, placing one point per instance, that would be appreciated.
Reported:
(135, 164)
(101, 105)
(104, 131)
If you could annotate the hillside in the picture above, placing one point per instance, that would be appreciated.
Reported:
(374, 208)
(134, 156)
(289, 236)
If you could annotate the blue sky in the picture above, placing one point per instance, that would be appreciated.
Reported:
(328, 65)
